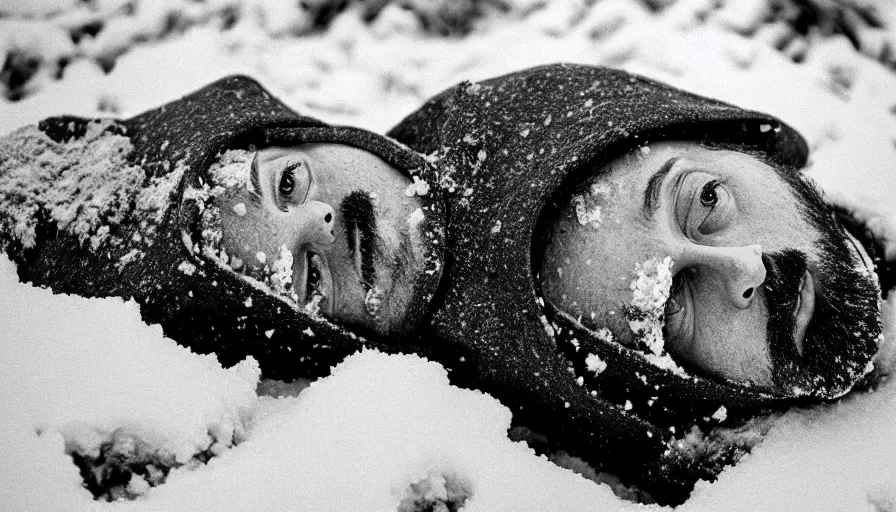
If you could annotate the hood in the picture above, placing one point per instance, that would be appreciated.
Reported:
(505, 149)
(102, 207)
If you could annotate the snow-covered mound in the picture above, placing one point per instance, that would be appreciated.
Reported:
(89, 395)
(87, 380)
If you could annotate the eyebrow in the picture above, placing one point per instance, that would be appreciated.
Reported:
(654, 186)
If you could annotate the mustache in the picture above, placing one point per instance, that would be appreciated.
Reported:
(358, 214)
(784, 271)
(784, 274)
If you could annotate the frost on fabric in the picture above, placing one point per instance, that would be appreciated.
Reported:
(417, 188)
(588, 205)
(721, 443)
(595, 364)
(84, 185)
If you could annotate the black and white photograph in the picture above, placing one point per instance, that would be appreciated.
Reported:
(448, 255)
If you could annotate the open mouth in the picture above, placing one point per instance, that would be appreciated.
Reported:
(318, 290)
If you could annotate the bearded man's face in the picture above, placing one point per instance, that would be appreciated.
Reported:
(732, 267)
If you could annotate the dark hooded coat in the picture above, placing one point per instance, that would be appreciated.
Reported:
(507, 149)
(97, 208)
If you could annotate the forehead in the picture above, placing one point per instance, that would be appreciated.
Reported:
(634, 169)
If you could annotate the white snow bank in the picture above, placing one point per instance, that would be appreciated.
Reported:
(80, 373)
(380, 431)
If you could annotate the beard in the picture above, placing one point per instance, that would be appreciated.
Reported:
(843, 334)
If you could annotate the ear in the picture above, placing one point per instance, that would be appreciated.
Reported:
(876, 232)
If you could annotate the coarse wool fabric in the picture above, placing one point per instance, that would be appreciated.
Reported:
(151, 254)
(506, 148)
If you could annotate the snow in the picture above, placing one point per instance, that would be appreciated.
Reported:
(588, 205)
(90, 372)
(281, 273)
(650, 292)
(837, 457)
(116, 377)
(87, 198)
(595, 364)
(373, 301)
(417, 187)
(389, 432)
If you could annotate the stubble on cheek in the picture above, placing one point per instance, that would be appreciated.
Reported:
(393, 291)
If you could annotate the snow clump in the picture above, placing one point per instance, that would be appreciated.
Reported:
(650, 292)
(85, 185)
(595, 364)
(588, 205)
(373, 301)
(417, 188)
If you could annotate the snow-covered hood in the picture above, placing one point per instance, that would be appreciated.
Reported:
(505, 148)
(114, 208)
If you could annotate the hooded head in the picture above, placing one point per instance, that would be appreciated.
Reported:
(530, 155)
(732, 266)
(134, 208)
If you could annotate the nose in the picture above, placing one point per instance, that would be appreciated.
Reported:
(741, 269)
(316, 222)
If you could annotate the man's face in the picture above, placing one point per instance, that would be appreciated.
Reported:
(343, 216)
(757, 293)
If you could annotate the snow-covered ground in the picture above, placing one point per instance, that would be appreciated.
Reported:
(87, 377)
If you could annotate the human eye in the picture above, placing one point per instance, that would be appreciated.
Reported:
(287, 182)
(708, 209)
(293, 184)
(715, 200)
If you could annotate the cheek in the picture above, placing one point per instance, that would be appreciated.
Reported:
(247, 235)
(774, 226)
